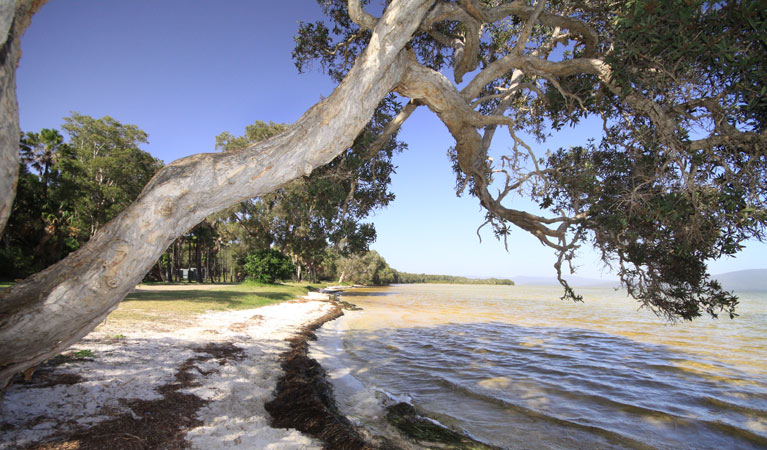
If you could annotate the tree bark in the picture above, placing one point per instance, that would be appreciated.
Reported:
(172, 262)
(198, 261)
(189, 260)
(161, 270)
(208, 274)
(14, 20)
(46, 313)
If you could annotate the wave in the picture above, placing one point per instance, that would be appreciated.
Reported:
(564, 387)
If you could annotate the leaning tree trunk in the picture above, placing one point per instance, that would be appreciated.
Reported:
(14, 19)
(46, 313)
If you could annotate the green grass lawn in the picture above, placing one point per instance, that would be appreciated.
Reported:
(160, 304)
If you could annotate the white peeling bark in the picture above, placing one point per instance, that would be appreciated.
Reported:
(14, 19)
(49, 311)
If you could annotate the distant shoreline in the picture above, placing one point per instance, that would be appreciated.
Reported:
(423, 278)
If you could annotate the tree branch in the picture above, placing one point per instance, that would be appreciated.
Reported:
(71, 297)
(360, 16)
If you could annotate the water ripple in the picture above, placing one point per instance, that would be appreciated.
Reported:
(527, 384)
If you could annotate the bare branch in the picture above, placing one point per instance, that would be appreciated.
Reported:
(391, 128)
(474, 8)
(467, 51)
(520, 9)
(360, 16)
(443, 98)
(524, 36)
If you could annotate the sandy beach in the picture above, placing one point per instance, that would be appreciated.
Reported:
(201, 381)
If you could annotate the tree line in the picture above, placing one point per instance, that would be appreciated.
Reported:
(68, 190)
(310, 229)
(415, 278)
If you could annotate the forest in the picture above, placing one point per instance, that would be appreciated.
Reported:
(68, 189)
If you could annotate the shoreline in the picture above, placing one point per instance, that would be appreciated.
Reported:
(234, 379)
(202, 384)
(304, 397)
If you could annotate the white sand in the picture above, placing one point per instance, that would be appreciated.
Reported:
(137, 361)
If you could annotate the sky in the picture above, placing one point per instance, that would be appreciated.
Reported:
(185, 71)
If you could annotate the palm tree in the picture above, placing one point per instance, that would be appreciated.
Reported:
(39, 151)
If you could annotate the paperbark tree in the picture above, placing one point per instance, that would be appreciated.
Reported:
(679, 175)
(678, 178)
(46, 313)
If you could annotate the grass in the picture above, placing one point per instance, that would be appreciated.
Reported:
(159, 305)
(83, 354)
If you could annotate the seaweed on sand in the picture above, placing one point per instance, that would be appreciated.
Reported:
(304, 399)
(150, 424)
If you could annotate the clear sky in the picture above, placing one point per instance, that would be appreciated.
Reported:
(184, 71)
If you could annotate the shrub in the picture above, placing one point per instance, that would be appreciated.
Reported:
(268, 266)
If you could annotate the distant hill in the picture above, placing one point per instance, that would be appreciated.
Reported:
(744, 280)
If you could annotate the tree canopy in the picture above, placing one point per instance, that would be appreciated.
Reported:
(268, 266)
(677, 178)
(322, 212)
(68, 190)
(369, 269)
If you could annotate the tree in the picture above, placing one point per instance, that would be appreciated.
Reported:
(678, 177)
(66, 190)
(106, 169)
(309, 214)
(268, 266)
(24, 229)
(39, 151)
(14, 19)
(39, 318)
(683, 142)
(368, 269)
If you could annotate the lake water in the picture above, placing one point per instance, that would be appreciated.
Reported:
(516, 367)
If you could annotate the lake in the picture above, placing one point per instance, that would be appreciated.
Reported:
(516, 367)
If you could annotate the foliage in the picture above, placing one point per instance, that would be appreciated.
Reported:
(38, 151)
(308, 216)
(105, 171)
(655, 202)
(268, 266)
(256, 132)
(85, 353)
(414, 278)
(369, 269)
(24, 230)
(67, 190)
(676, 180)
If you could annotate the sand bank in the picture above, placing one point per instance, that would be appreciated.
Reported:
(204, 380)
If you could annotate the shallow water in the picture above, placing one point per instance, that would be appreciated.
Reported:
(516, 367)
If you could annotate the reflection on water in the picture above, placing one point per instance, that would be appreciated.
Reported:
(516, 367)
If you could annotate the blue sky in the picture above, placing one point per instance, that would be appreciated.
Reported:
(184, 71)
